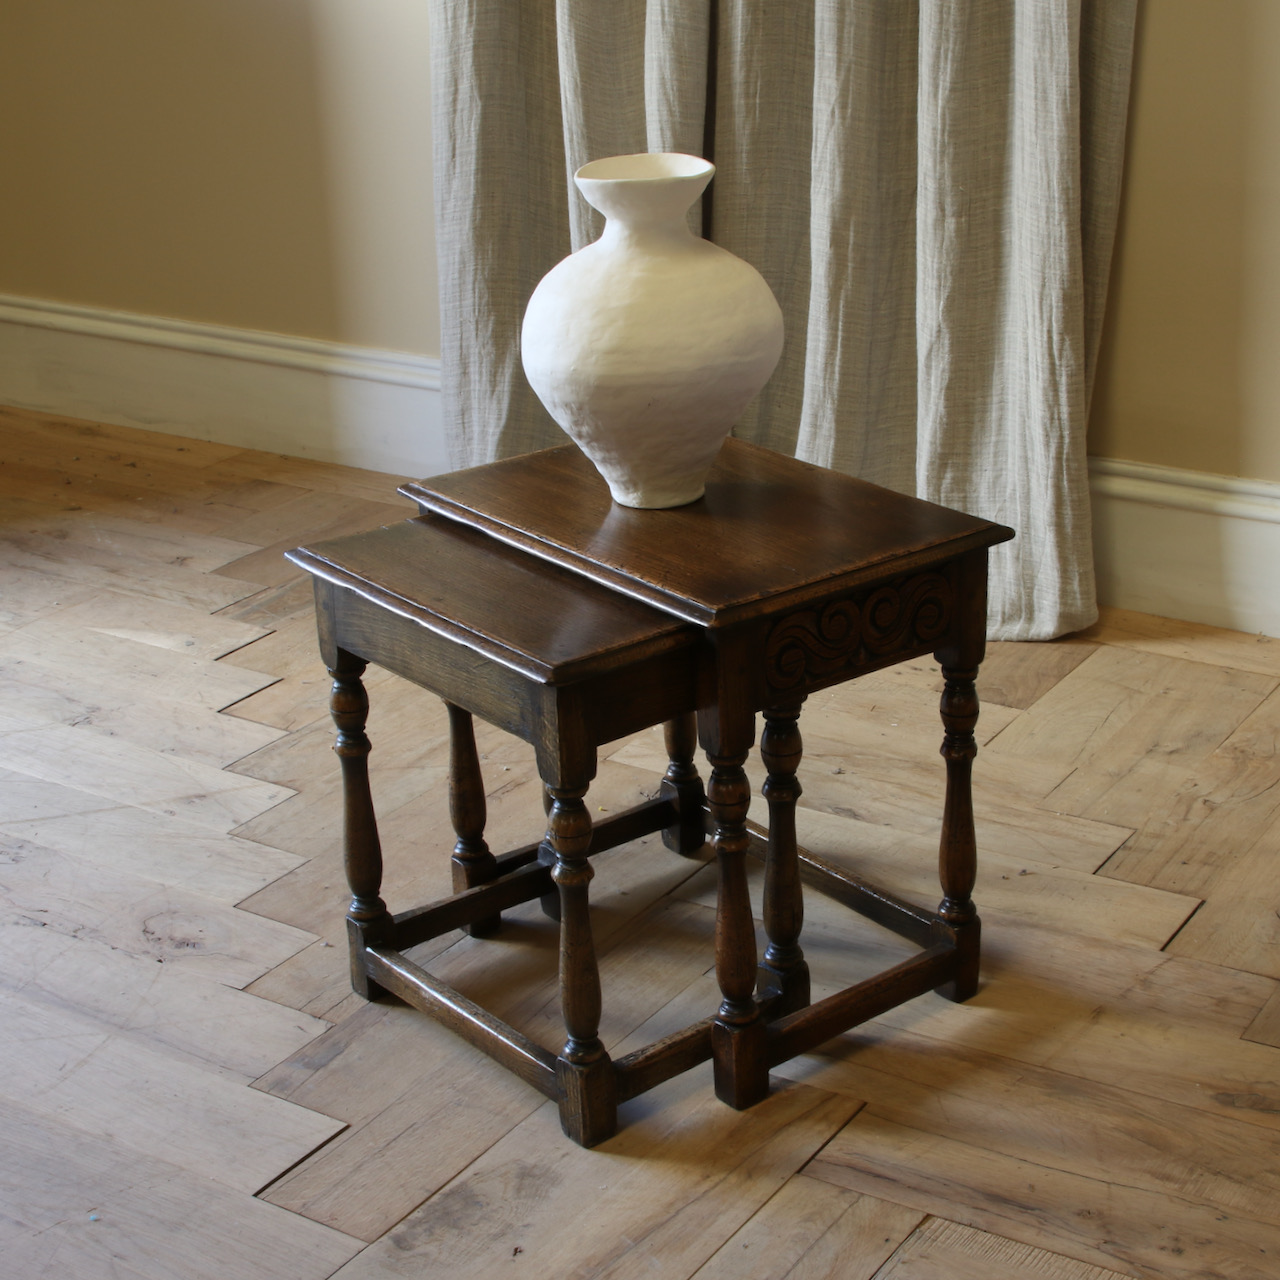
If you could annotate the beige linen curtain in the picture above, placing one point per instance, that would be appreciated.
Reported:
(929, 186)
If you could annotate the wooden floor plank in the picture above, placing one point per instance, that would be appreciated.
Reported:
(906, 795)
(103, 837)
(85, 565)
(192, 632)
(1191, 821)
(158, 922)
(300, 695)
(1239, 924)
(408, 765)
(93, 664)
(417, 839)
(26, 595)
(661, 1197)
(1120, 708)
(1013, 673)
(194, 500)
(410, 1130)
(1042, 894)
(269, 606)
(1098, 1219)
(97, 1080)
(1097, 1012)
(150, 544)
(1018, 674)
(408, 729)
(84, 760)
(1057, 1118)
(813, 1230)
(161, 1006)
(1265, 1028)
(315, 980)
(1041, 989)
(86, 1207)
(311, 518)
(323, 477)
(1058, 1123)
(911, 800)
(91, 458)
(314, 896)
(150, 696)
(1192, 641)
(54, 430)
(883, 714)
(1130, 1049)
(943, 1250)
(168, 724)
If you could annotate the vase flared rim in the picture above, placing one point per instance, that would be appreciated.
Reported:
(646, 166)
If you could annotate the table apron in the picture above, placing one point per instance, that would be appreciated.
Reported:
(851, 633)
(554, 718)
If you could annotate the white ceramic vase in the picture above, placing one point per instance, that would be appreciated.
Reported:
(647, 345)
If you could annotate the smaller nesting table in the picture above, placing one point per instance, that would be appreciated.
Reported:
(561, 663)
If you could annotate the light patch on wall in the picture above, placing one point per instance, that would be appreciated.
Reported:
(1260, 287)
(375, 103)
(1188, 375)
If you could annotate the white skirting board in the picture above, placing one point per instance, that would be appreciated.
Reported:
(1184, 544)
(1187, 544)
(299, 396)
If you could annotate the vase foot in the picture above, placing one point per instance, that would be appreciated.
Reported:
(657, 500)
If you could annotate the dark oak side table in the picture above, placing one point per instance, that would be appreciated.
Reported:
(796, 578)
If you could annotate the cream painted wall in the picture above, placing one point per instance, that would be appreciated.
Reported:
(1189, 374)
(259, 164)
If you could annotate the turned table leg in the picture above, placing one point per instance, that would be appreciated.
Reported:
(783, 972)
(368, 922)
(588, 1093)
(738, 1033)
(549, 902)
(957, 857)
(682, 784)
(473, 863)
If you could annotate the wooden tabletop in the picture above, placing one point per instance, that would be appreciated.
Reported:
(540, 620)
(770, 533)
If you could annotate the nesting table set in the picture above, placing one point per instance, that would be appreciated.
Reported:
(524, 595)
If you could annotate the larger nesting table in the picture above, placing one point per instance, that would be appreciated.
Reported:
(797, 578)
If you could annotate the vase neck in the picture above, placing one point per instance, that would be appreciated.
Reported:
(664, 234)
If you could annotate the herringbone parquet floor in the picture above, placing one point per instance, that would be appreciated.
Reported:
(188, 1089)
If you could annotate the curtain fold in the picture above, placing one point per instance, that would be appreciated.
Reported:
(860, 330)
(502, 215)
(929, 187)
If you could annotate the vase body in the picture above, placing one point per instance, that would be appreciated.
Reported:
(647, 345)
